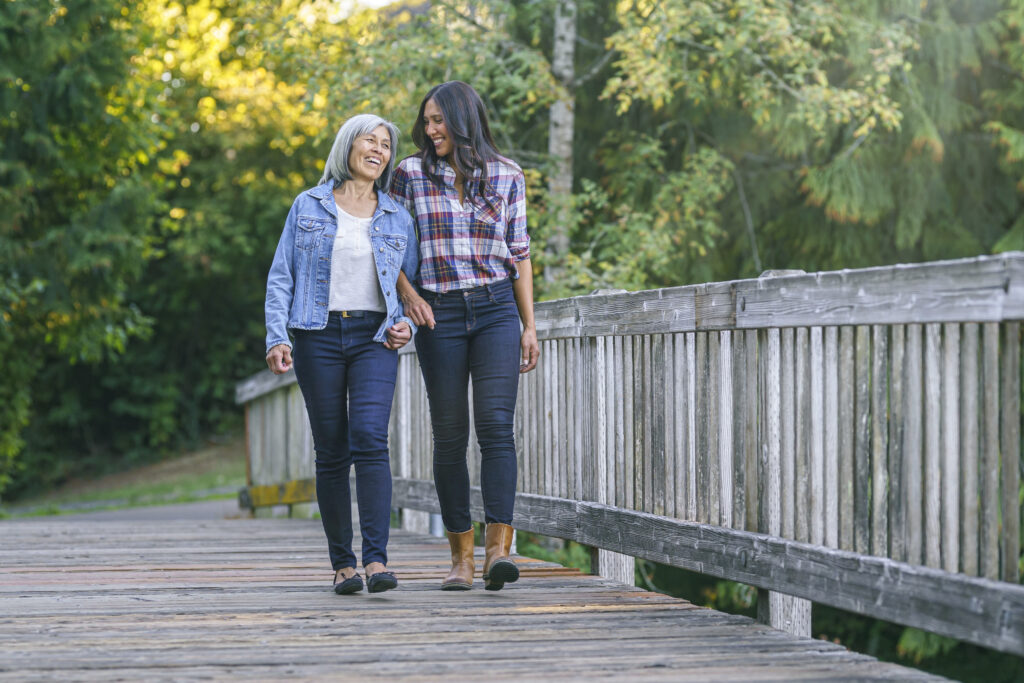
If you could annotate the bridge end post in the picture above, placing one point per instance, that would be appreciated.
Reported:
(613, 566)
(784, 612)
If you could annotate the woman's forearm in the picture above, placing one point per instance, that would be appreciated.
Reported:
(522, 288)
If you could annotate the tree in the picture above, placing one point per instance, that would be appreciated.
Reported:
(76, 135)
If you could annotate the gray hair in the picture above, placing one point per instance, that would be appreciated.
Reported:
(336, 166)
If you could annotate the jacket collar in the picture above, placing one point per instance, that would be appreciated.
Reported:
(324, 192)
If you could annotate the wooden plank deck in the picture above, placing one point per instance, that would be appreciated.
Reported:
(250, 600)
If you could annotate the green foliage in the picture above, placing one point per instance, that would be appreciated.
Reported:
(75, 137)
(565, 553)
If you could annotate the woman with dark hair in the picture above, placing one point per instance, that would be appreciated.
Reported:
(475, 286)
(332, 285)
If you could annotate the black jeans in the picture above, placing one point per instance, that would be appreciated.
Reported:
(476, 337)
(348, 383)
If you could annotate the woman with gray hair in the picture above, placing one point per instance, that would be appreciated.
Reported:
(332, 286)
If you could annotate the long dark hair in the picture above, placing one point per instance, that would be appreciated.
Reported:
(465, 117)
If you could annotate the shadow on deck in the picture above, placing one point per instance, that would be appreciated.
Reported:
(250, 598)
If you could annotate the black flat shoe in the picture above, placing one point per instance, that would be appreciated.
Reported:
(380, 582)
(352, 584)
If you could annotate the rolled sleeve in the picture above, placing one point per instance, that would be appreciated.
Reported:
(400, 189)
(516, 237)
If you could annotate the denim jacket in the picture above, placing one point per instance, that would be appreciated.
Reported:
(299, 283)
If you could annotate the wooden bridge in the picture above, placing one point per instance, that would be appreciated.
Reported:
(849, 438)
(250, 600)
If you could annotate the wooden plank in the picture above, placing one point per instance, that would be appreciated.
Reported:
(642, 417)
(583, 390)
(802, 490)
(550, 415)
(879, 441)
(285, 493)
(148, 614)
(750, 440)
(299, 440)
(990, 498)
(611, 391)
(566, 424)
(932, 441)
(847, 438)
(262, 383)
(692, 427)
(862, 442)
(787, 443)
(982, 289)
(725, 422)
(1009, 447)
(739, 430)
(967, 608)
(596, 457)
(702, 426)
(969, 457)
(522, 432)
(817, 439)
(950, 447)
(831, 437)
(630, 452)
(655, 372)
(771, 485)
(671, 385)
(711, 451)
(619, 453)
(897, 483)
(913, 444)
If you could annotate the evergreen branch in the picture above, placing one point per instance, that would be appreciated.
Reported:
(586, 42)
(747, 218)
(853, 146)
(595, 69)
(759, 60)
(465, 17)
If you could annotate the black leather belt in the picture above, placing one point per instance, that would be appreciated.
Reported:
(356, 314)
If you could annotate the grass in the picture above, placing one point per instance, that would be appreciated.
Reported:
(215, 471)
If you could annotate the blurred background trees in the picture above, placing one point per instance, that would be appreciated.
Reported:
(149, 151)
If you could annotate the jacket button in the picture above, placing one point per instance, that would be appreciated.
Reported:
(381, 250)
(377, 228)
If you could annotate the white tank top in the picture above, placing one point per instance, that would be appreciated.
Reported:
(354, 282)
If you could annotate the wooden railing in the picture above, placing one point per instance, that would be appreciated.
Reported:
(850, 438)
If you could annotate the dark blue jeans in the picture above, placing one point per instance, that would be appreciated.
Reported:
(348, 382)
(476, 337)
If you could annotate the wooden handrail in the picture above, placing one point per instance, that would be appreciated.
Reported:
(851, 438)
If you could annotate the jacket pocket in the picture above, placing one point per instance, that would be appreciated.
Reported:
(395, 241)
(308, 231)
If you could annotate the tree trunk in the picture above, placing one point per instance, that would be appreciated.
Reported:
(560, 134)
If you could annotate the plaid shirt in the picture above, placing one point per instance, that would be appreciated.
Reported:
(471, 244)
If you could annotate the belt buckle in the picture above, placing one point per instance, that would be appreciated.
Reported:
(344, 314)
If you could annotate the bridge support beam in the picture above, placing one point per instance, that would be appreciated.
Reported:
(784, 612)
(612, 565)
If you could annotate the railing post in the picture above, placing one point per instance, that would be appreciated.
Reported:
(603, 563)
(778, 610)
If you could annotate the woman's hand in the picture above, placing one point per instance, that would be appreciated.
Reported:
(418, 310)
(531, 350)
(399, 335)
(279, 359)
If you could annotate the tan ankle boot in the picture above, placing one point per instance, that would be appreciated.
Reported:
(498, 568)
(460, 578)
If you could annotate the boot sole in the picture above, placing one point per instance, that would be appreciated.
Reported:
(501, 572)
(456, 586)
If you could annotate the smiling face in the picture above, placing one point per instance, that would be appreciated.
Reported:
(435, 129)
(370, 154)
